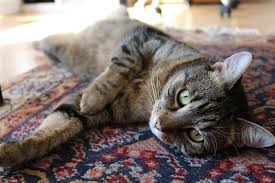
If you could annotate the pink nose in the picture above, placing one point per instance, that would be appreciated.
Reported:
(158, 126)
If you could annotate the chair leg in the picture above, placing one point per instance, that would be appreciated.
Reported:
(1, 97)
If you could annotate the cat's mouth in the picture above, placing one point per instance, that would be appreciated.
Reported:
(163, 135)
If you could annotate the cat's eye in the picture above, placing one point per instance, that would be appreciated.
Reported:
(195, 135)
(184, 97)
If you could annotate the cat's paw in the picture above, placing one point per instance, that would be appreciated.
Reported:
(92, 101)
(10, 154)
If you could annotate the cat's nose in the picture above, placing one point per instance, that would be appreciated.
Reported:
(157, 125)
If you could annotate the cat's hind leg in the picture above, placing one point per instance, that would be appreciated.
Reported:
(64, 123)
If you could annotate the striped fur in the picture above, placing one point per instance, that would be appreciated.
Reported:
(137, 72)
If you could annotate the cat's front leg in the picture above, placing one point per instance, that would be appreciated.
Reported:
(61, 125)
(126, 63)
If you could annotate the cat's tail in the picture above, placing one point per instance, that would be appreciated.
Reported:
(64, 123)
(55, 46)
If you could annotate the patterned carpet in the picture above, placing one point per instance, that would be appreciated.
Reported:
(132, 153)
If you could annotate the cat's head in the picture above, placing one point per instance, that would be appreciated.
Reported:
(201, 106)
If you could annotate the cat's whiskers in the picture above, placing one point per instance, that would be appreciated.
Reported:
(150, 98)
(153, 90)
(152, 86)
(150, 102)
(222, 127)
(155, 84)
(228, 133)
(215, 144)
(224, 135)
(270, 121)
(269, 150)
(156, 87)
(216, 148)
(158, 84)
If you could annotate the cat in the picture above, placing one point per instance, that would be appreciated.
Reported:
(141, 74)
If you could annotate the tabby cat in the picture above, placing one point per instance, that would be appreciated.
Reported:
(142, 74)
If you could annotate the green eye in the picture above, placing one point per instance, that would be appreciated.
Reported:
(184, 97)
(195, 135)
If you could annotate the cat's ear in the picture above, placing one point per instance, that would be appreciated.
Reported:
(231, 70)
(253, 135)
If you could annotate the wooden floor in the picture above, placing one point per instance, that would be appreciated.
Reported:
(251, 14)
(254, 15)
(17, 56)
